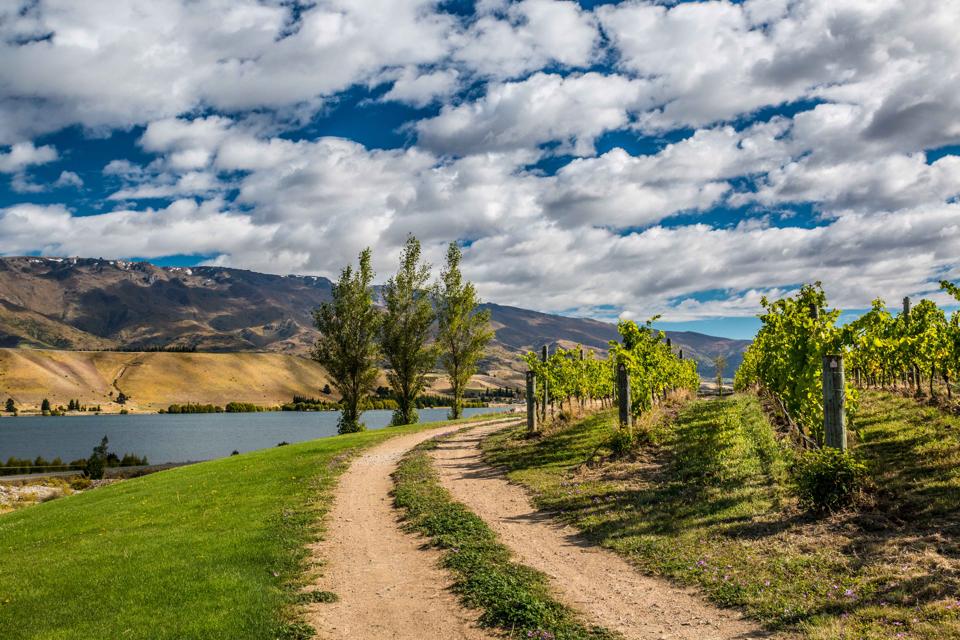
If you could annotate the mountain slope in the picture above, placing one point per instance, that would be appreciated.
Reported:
(92, 304)
(153, 381)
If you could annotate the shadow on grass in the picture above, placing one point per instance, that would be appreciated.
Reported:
(705, 506)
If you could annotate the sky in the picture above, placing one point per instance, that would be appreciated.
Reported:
(600, 159)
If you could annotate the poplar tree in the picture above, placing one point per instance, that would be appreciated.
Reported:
(406, 330)
(463, 331)
(349, 325)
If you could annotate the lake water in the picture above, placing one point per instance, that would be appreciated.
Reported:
(178, 437)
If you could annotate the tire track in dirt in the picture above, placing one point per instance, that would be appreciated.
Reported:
(389, 585)
(603, 587)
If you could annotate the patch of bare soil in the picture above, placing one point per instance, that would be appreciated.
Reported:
(603, 587)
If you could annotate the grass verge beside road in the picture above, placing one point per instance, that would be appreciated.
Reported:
(212, 550)
(709, 504)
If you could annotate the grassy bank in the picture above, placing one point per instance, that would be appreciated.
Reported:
(709, 504)
(213, 550)
(511, 596)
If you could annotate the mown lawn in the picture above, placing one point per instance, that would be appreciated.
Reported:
(710, 504)
(213, 550)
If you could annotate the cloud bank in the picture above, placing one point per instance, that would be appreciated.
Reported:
(635, 158)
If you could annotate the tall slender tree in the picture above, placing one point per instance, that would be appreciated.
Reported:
(719, 364)
(349, 325)
(463, 330)
(406, 330)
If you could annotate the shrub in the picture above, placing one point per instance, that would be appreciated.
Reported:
(622, 442)
(97, 462)
(827, 479)
(79, 483)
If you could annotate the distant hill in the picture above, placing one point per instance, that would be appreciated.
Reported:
(93, 304)
(154, 381)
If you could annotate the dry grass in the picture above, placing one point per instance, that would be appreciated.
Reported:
(154, 380)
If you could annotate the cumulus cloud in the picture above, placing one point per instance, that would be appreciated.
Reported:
(68, 179)
(420, 89)
(569, 110)
(24, 154)
(758, 105)
(509, 39)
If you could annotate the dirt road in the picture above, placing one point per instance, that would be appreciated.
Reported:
(389, 585)
(594, 581)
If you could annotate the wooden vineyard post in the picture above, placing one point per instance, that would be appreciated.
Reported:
(546, 388)
(666, 391)
(531, 402)
(912, 381)
(623, 395)
(834, 427)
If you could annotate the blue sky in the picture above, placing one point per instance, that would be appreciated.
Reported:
(605, 159)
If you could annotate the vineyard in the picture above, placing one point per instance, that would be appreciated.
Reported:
(916, 351)
(571, 377)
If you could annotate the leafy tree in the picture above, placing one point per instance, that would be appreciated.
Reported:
(719, 364)
(349, 325)
(463, 331)
(97, 461)
(406, 329)
(11, 406)
(122, 398)
(326, 389)
(45, 405)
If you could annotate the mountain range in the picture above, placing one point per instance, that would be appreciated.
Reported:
(116, 305)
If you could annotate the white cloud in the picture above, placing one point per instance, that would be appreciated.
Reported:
(513, 83)
(127, 62)
(572, 110)
(69, 179)
(420, 89)
(509, 39)
(23, 154)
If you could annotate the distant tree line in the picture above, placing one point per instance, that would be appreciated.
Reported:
(356, 336)
(231, 407)
(301, 403)
(49, 410)
(101, 458)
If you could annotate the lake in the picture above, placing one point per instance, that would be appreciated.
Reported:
(179, 437)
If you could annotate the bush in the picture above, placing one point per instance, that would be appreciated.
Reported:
(242, 407)
(79, 483)
(828, 479)
(622, 442)
(97, 462)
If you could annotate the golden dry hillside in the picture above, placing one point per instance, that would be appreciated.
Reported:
(154, 380)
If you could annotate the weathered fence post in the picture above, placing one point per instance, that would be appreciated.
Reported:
(623, 395)
(546, 388)
(912, 380)
(834, 427)
(531, 402)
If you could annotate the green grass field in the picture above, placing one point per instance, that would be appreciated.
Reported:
(709, 504)
(213, 550)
